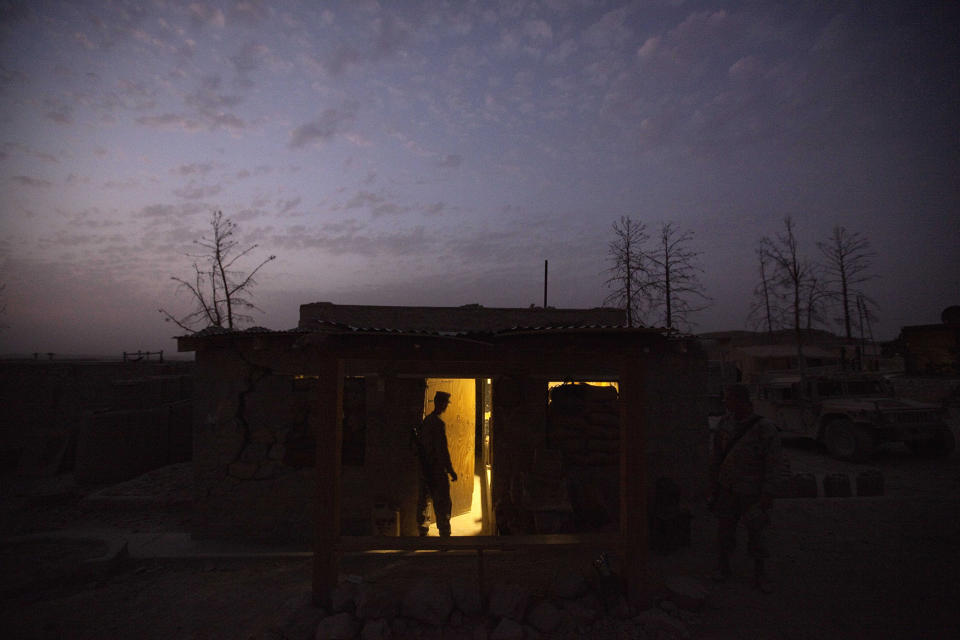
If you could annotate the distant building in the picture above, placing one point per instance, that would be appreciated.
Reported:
(933, 349)
(755, 361)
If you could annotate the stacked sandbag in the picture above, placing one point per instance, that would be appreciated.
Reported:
(584, 425)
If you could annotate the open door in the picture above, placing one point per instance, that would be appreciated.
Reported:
(460, 418)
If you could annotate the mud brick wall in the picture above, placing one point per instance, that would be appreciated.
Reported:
(584, 425)
(119, 445)
(519, 427)
(41, 398)
(676, 425)
(389, 473)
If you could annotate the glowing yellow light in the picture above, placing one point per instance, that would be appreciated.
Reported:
(592, 383)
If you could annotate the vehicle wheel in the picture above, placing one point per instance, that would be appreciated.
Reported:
(848, 441)
(940, 445)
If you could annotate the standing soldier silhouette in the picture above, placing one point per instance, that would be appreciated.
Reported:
(431, 442)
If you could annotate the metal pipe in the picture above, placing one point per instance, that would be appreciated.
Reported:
(544, 284)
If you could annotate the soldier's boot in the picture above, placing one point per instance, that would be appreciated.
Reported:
(760, 579)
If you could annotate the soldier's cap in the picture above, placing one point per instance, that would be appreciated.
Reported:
(441, 396)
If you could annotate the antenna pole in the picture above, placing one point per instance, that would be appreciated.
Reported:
(544, 284)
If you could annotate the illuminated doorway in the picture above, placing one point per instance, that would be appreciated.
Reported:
(467, 420)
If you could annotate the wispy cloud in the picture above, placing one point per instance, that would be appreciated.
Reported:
(209, 99)
(58, 110)
(286, 206)
(20, 148)
(350, 239)
(194, 191)
(193, 169)
(27, 181)
(203, 14)
(450, 160)
(163, 211)
(327, 125)
(249, 59)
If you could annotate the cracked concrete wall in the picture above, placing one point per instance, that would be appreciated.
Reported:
(254, 448)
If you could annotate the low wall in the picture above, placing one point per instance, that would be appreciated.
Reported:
(45, 405)
(119, 445)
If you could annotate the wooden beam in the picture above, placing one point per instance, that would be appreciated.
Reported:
(604, 541)
(329, 434)
(633, 484)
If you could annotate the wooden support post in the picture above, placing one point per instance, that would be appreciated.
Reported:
(328, 429)
(480, 571)
(633, 482)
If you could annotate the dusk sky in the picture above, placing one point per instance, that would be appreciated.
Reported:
(436, 153)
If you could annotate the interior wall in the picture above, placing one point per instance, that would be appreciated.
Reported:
(460, 419)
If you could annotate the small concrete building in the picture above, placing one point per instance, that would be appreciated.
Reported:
(306, 434)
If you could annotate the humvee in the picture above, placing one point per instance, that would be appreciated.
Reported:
(852, 413)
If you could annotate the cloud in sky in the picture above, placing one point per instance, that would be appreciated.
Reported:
(27, 181)
(323, 128)
(436, 154)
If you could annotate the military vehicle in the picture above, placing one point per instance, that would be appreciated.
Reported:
(852, 413)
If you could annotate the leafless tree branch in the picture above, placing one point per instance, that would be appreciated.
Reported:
(227, 290)
(847, 266)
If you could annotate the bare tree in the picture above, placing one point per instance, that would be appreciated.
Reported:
(673, 277)
(792, 276)
(816, 298)
(766, 308)
(627, 270)
(220, 292)
(848, 259)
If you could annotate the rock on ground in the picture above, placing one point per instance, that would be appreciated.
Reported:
(340, 626)
(509, 601)
(376, 603)
(376, 630)
(466, 596)
(343, 596)
(429, 602)
(569, 584)
(661, 624)
(686, 592)
(545, 616)
(507, 629)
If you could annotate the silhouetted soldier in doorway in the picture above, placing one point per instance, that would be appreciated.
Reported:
(435, 466)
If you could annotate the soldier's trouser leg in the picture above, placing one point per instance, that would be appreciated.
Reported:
(728, 515)
(731, 509)
(442, 504)
(422, 515)
(756, 522)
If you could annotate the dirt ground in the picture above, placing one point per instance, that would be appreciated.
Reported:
(884, 567)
